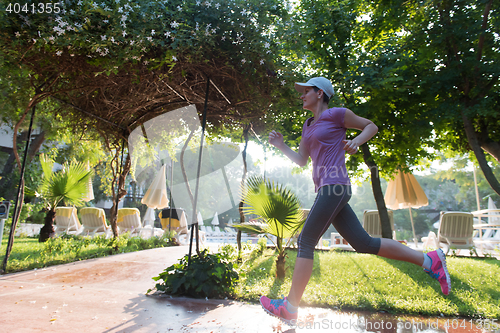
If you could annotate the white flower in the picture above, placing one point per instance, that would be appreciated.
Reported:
(59, 53)
(120, 10)
(197, 26)
(223, 38)
(217, 5)
(198, 3)
(146, 62)
(124, 18)
(103, 37)
(72, 12)
(152, 32)
(244, 12)
(112, 39)
(17, 34)
(243, 61)
(174, 58)
(124, 33)
(167, 34)
(262, 61)
(179, 8)
(132, 42)
(208, 4)
(79, 3)
(266, 45)
(283, 82)
(149, 39)
(174, 24)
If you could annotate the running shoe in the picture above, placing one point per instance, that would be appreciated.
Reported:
(277, 308)
(439, 271)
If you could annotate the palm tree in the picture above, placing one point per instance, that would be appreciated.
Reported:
(68, 185)
(279, 215)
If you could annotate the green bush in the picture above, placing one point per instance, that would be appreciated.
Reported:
(208, 275)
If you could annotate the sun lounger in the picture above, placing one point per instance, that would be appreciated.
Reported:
(129, 220)
(372, 225)
(455, 231)
(66, 221)
(93, 221)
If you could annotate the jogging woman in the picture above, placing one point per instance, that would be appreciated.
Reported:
(324, 140)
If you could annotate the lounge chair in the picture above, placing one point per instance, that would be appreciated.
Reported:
(67, 221)
(455, 231)
(93, 221)
(178, 223)
(371, 223)
(129, 219)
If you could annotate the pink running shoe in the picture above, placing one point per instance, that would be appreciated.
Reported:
(277, 308)
(439, 271)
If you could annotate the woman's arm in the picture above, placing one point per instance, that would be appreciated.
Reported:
(367, 127)
(300, 157)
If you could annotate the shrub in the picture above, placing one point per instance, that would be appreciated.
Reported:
(208, 275)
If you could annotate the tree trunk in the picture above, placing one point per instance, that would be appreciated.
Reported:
(377, 192)
(280, 266)
(47, 230)
(479, 153)
(243, 178)
(120, 193)
(190, 193)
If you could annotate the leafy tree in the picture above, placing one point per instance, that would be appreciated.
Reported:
(458, 42)
(279, 212)
(366, 71)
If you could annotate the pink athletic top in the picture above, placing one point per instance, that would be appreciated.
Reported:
(323, 140)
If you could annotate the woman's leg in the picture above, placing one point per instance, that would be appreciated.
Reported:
(392, 249)
(301, 274)
(329, 202)
(348, 225)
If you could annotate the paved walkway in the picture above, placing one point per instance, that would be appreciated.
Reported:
(108, 295)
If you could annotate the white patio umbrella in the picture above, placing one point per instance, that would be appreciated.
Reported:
(215, 220)
(90, 189)
(155, 197)
(200, 219)
(405, 192)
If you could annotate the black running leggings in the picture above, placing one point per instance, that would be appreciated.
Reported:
(331, 207)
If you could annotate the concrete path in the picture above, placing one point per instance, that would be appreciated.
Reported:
(108, 295)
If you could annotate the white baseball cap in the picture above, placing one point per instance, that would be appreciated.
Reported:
(320, 82)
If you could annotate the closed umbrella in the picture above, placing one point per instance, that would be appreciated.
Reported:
(215, 220)
(200, 219)
(155, 197)
(405, 192)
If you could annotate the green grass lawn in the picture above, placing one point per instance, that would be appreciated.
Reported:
(352, 281)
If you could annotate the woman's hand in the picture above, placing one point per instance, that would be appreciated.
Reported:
(276, 139)
(351, 146)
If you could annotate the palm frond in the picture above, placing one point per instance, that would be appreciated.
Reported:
(276, 205)
(68, 185)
